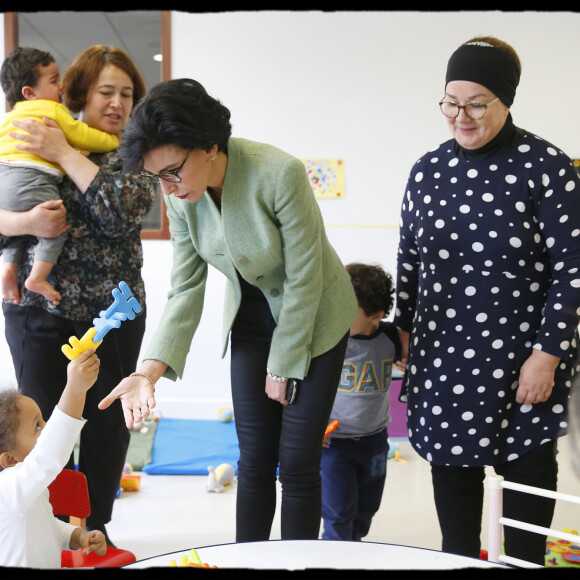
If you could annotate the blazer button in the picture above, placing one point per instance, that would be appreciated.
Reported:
(274, 292)
(243, 260)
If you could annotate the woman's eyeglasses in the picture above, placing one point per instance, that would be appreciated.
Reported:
(171, 175)
(474, 111)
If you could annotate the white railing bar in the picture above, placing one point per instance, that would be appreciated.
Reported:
(496, 484)
(575, 539)
(494, 513)
(540, 491)
(517, 562)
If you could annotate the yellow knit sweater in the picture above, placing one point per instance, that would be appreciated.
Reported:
(78, 134)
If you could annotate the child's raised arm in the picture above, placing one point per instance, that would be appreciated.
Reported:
(82, 372)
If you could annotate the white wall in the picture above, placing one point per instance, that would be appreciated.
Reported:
(362, 86)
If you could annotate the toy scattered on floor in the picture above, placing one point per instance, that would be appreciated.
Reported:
(330, 429)
(394, 452)
(191, 559)
(225, 415)
(130, 481)
(563, 550)
(219, 477)
(124, 306)
(571, 558)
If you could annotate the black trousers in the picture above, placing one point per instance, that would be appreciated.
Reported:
(271, 435)
(459, 501)
(35, 338)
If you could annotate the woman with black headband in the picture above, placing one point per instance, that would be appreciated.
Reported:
(488, 302)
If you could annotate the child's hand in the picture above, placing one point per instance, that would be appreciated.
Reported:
(93, 541)
(82, 372)
(401, 365)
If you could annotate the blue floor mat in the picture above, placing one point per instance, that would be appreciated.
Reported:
(188, 447)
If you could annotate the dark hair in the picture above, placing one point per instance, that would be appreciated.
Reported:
(373, 287)
(178, 112)
(86, 68)
(21, 69)
(9, 418)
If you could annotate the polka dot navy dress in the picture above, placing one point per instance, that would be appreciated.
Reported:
(488, 267)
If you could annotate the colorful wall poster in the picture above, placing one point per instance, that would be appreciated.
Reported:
(326, 177)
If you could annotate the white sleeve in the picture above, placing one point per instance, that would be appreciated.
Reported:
(24, 482)
(65, 531)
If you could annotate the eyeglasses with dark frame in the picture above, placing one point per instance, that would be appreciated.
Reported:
(475, 111)
(171, 175)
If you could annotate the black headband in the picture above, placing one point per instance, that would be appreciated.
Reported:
(486, 65)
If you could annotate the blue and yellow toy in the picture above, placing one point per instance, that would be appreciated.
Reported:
(225, 415)
(124, 306)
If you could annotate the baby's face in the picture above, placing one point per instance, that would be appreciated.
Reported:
(49, 85)
(29, 428)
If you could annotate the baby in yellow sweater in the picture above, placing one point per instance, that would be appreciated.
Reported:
(31, 82)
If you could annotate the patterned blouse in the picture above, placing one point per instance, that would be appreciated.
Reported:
(103, 245)
(489, 268)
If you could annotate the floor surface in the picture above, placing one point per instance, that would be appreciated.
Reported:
(176, 512)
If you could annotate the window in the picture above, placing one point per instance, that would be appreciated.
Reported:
(141, 34)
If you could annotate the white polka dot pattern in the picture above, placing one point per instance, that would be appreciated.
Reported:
(488, 268)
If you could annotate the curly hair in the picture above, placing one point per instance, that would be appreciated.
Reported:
(9, 418)
(21, 68)
(178, 112)
(374, 288)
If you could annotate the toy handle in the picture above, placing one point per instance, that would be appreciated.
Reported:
(330, 430)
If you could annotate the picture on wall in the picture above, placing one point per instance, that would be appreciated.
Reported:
(326, 177)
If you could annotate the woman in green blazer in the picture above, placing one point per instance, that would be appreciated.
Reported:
(248, 210)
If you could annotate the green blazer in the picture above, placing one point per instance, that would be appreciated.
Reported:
(270, 230)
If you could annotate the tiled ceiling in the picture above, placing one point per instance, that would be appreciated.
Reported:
(65, 34)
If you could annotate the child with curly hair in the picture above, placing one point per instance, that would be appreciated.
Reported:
(32, 454)
(354, 466)
(31, 82)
